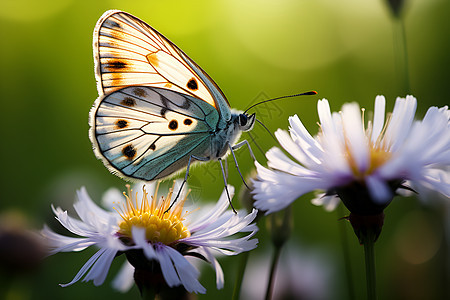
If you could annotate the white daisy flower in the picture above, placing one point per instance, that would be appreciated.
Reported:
(361, 165)
(152, 237)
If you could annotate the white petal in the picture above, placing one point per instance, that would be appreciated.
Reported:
(124, 279)
(187, 273)
(206, 217)
(138, 234)
(101, 267)
(74, 225)
(400, 123)
(220, 279)
(279, 160)
(300, 153)
(357, 143)
(85, 267)
(378, 118)
(379, 190)
(113, 197)
(61, 243)
(328, 202)
(167, 268)
(276, 190)
(305, 143)
(89, 212)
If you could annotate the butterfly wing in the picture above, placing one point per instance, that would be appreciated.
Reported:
(129, 52)
(149, 133)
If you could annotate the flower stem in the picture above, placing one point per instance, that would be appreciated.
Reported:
(273, 267)
(240, 275)
(369, 256)
(346, 252)
(148, 294)
(401, 53)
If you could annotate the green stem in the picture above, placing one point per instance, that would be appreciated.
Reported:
(240, 275)
(346, 252)
(148, 294)
(369, 256)
(401, 54)
(273, 267)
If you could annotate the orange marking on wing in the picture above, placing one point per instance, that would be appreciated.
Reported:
(117, 35)
(153, 59)
(115, 65)
(116, 79)
(168, 85)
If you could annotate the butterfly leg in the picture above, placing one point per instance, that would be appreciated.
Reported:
(186, 177)
(226, 185)
(237, 165)
(239, 145)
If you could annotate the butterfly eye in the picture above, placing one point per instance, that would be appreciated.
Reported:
(243, 119)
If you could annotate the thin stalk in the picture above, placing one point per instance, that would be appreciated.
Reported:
(346, 252)
(240, 275)
(401, 54)
(148, 294)
(273, 267)
(369, 256)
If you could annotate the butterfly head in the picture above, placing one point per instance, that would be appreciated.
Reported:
(246, 121)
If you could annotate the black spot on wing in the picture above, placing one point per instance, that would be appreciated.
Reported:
(187, 122)
(128, 101)
(121, 124)
(140, 92)
(192, 84)
(112, 24)
(116, 65)
(129, 151)
(173, 125)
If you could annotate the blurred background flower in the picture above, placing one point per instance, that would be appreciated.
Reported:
(302, 273)
(253, 49)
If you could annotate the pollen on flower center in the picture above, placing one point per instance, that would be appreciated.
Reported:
(160, 226)
(379, 151)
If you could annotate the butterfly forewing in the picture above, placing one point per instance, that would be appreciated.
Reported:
(129, 52)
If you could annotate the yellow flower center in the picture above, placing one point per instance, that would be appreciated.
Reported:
(379, 151)
(161, 225)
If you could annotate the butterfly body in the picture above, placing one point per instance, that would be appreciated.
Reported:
(157, 110)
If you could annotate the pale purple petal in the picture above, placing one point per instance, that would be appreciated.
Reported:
(138, 234)
(101, 267)
(124, 279)
(356, 139)
(85, 267)
(379, 190)
(378, 118)
(328, 202)
(187, 273)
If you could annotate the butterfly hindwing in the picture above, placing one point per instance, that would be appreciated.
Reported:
(137, 126)
(128, 52)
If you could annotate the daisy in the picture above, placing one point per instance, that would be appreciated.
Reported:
(155, 240)
(362, 165)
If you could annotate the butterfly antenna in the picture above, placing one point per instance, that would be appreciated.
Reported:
(254, 142)
(267, 129)
(282, 97)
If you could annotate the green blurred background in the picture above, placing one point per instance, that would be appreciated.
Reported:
(346, 50)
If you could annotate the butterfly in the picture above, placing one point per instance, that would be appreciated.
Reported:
(157, 110)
